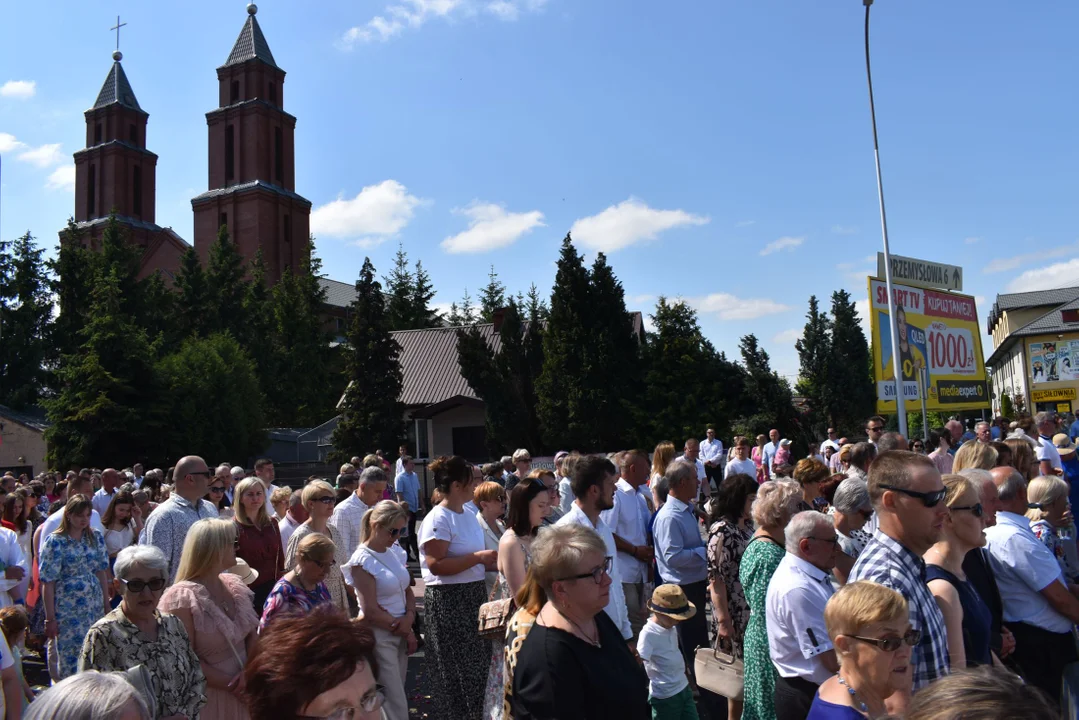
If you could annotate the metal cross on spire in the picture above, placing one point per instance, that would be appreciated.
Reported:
(117, 29)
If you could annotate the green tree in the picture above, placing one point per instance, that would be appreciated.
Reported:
(372, 415)
(463, 313)
(849, 393)
(814, 353)
(108, 405)
(423, 292)
(536, 306)
(194, 302)
(212, 372)
(400, 285)
(226, 286)
(258, 315)
(1007, 409)
(73, 272)
(159, 316)
(25, 321)
(770, 396)
(492, 297)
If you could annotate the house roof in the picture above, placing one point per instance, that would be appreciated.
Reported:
(251, 44)
(249, 186)
(34, 418)
(1049, 323)
(1035, 298)
(429, 364)
(116, 89)
(338, 294)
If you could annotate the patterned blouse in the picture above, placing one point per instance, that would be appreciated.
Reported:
(288, 598)
(1048, 536)
(115, 643)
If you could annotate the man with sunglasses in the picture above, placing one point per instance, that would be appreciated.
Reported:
(908, 496)
(874, 428)
(167, 526)
(1040, 606)
(798, 640)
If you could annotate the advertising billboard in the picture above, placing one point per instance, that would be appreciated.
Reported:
(938, 331)
(1054, 361)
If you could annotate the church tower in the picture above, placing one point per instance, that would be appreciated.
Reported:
(251, 161)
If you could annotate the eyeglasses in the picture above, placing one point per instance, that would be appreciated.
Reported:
(596, 574)
(866, 514)
(396, 532)
(834, 540)
(137, 586)
(325, 499)
(891, 644)
(874, 428)
(324, 565)
(217, 489)
(236, 544)
(975, 510)
(553, 489)
(371, 701)
(931, 499)
(918, 446)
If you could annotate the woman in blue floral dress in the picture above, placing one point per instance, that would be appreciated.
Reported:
(302, 588)
(72, 569)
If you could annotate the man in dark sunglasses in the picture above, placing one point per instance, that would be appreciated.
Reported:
(908, 496)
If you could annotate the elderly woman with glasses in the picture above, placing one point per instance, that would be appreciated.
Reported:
(137, 633)
(851, 510)
(318, 500)
(490, 498)
(302, 589)
(869, 628)
(573, 661)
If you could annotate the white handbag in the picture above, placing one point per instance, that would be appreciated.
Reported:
(719, 672)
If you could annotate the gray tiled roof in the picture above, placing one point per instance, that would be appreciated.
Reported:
(429, 364)
(123, 220)
(338, 294)
(1034, 298)
(252, 185)
(250, 45)
(116, 90)
(1051, 322)
(34, 418)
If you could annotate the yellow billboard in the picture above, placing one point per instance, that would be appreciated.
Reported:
(938, 331)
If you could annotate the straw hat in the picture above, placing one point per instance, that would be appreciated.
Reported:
(1063, 444)
(244, 571)
(671, 601)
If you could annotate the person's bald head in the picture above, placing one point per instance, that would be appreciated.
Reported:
(190, 477)
(1011, 488)
(110, 479)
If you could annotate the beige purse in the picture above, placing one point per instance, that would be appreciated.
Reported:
(494, 616)
(719, 672)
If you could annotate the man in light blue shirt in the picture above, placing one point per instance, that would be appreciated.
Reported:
(406, 488)
(770, 450)
(680, 552)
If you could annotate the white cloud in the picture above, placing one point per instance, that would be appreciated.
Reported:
(378, 212)
(19, 89)
(8, 143)
(413, 14)
(490, 227)
(863, 310)
(636, 302)
(1064, 274)
(728, 307)
(788, 337)
(972, 240)
(844, 229)
(782, 244)
(1011, 263)
(62, 178)
(627, 223)
(43, 156)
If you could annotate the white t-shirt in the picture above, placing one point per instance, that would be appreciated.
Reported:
(465, 537)
(6, 660)
(1048, 451)
(746, 466)
(391, 577)
(663, 661)
(117, 540)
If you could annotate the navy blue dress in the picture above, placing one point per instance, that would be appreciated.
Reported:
(821, 709)
(977, 620)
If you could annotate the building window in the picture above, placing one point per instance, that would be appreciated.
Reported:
(230, 165)
(234, 97)
(279, 155)
(91, 193)
(288, 228)
(133, 134)
(223, 220)
(97, 134)
(272, 93)
(136, 204)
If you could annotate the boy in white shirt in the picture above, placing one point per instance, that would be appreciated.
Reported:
(669, 693)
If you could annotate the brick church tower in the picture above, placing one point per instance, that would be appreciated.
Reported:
(116, 173)
(251, 161)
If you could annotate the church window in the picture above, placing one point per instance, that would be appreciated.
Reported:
(91, 193)
(97, 134)
(279, 155)
(272, 93)
(136, 204)
(288, 228)
(133, 134)
(230, 167)
(223, 220)
(235, 96)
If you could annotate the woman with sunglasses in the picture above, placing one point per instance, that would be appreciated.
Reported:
(318, 500)
(870, 631)
(136, 633)
(851, 510)
(378, 573)
(215, 493)
(966, 615)
(301, 590)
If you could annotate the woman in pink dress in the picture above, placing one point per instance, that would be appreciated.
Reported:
(758, 459)
(215, 608)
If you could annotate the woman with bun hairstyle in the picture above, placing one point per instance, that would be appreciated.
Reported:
(453, 560)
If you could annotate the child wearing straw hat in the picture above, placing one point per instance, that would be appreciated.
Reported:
(669, 693)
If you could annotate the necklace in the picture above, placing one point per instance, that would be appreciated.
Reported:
(584, 635)
(853, 694)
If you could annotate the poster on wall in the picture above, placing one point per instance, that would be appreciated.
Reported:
(938, 331)
(1054, 361)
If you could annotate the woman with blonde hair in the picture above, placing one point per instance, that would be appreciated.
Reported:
(490, 498)
(216, 609)
(258, 539)
(662, 456)
(301, 590)
(73, 569)
(378, 573)
(777, 501)
(1049, 511)
(966, 616)
(1023, 458)
(318, 501)
(974, 454)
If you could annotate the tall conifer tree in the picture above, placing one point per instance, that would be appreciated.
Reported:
(25, 321)
(194, 304)
(226, 286)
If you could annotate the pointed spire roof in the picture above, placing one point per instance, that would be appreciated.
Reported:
(116, 88)
(251, 44)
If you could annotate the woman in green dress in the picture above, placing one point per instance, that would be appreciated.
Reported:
(776, 502)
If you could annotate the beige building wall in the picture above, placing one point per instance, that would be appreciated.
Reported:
(17, 440)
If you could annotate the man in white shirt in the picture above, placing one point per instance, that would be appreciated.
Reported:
(594, 486)
(832, 441)
(628, 520)
(741, 463)
(1048, 455)
(14, 567)
(712, 456)
(12, 696)
(798, 640)
(78, 485)
(399, 467)
(770, 450)
(264, 470)
(295, 516)
(136, 470)
(1040, 606)
(110, 481)
(691, 454)
(348, 515)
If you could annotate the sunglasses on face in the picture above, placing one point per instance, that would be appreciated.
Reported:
(891, 644)
(217, 489)
(975, 510)
(874, 429)
(325, 500)
(236, 544)
(396, 532)
(931, 499)
(596, 573)
(137, 586)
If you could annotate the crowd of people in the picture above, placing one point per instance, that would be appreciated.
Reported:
(884, 577)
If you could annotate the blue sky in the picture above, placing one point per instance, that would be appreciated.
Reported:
(719, 152)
